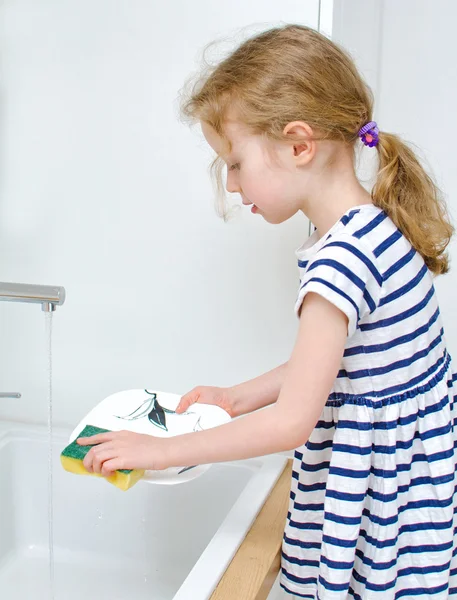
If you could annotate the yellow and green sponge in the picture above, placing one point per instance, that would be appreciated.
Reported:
(73, 455)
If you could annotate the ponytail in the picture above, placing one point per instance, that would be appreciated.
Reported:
(412, 200)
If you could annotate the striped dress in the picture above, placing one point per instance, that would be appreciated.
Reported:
(372, 503)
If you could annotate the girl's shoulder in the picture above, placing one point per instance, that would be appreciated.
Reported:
(367, 227)
(371, 232)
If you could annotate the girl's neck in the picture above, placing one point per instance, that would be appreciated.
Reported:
(332, 196)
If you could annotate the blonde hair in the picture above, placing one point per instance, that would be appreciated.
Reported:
(295, 73)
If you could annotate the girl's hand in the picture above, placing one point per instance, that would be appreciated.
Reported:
(218, 396)
(123, 450)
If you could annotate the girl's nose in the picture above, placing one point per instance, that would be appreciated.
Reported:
(232, 185)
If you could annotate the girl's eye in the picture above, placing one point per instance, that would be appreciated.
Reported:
(234, 167)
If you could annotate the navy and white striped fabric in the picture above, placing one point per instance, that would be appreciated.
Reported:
(372, 504)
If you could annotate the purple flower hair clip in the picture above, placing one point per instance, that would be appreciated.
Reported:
(369, 134)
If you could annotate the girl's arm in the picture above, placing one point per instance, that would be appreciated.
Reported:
(239, 399)
(258, 392)
(308, 379)
(287, 424)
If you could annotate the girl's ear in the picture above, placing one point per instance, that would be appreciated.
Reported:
(304, 150)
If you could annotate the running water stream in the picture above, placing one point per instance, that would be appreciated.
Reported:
(48, 327)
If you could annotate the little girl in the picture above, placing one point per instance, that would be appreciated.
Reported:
(367, 394)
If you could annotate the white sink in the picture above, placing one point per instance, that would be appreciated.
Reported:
(149, 543)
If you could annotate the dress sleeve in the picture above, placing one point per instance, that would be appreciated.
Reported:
(345, 273)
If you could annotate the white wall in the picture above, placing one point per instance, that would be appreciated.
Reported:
(104, 191)
(407, 52)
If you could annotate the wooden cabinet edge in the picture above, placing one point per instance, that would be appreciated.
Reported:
(255, 566)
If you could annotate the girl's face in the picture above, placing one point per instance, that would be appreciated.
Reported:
(260, 171)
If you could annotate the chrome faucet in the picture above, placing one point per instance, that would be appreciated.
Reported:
(49, 296)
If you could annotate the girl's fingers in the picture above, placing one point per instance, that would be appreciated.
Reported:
(110, 466)
(100, 459)
(183, 404)
(95, 439)
(186, 401)
(95, 458)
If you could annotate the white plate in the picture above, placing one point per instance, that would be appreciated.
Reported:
(141, 411)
